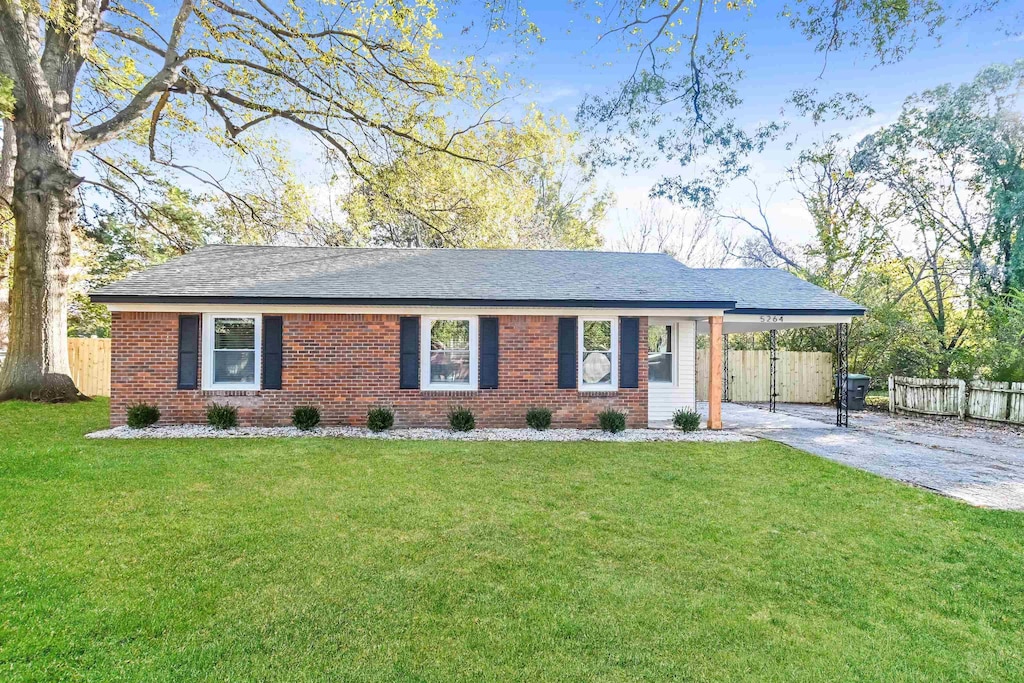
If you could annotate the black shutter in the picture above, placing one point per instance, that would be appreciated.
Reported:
(629, 353)
(567, 353)
(409, 349)
(488, 353)
(273, 348)
(188, 351)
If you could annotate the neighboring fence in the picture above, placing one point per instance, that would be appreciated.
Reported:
(801, 376)
(90, 365)
(981, 400)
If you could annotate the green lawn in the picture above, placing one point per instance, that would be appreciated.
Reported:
(363, 560)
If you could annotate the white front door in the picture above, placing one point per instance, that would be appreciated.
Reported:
(671, 369)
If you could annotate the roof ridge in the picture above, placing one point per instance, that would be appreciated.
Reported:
(438, 249)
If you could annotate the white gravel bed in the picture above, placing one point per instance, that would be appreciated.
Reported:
(205, 431)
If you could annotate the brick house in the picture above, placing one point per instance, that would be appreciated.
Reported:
(270, 328)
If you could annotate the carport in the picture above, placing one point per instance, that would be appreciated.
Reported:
(769, 300)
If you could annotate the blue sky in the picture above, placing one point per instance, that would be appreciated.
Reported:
(570, 64)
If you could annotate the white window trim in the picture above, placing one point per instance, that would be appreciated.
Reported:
(474, 353)
(614, 386)
(675, 343)
(207, 359)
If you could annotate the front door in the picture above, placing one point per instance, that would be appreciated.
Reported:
(671, 355)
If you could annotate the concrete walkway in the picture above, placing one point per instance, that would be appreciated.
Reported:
(981, 465)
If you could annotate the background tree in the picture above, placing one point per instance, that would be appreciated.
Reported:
(683, 78)
(105, 88)
(694, 238)
(1002, 341)
(919, 222)
(848, 237)
(951, 171)
(542, 200)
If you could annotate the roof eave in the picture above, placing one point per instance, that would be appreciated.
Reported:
(796, 311)
(100, 298)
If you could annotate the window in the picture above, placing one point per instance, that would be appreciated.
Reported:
(231, 351)
(659, 353)
(449, 353)
(599, 369)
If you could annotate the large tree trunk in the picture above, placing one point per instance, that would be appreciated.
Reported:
(7, 157)
(44, 208)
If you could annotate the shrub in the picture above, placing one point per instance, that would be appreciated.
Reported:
(221, 417)
(686, 420)
(877, 402)
(461, 419)
(612, 420)
(142, 415)
(380, 419)
(538, 418)
(306, 417)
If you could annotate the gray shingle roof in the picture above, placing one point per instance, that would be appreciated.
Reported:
(757, 289)
(251, 274)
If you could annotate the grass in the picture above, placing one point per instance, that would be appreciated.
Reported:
(373, 561)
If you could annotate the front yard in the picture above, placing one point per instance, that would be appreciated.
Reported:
(329, 559)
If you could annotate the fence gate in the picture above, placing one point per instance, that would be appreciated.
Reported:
(800, 376)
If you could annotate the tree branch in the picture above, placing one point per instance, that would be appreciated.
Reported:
(20, 39)
(142, 213)
(161, 82)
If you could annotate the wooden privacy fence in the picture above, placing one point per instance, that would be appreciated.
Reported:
(90, 365)
(978, 399)
(801, 376)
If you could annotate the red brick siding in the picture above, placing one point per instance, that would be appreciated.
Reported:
(346, 364)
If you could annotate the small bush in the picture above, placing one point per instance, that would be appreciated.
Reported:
(686, 420)
(306, 417)
(221, 417)
(538, 418)
(461, 419)
(877, 402)
(142, 415)
(380, 419)
(612, 421)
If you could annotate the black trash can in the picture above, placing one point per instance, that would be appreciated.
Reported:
(857, 391)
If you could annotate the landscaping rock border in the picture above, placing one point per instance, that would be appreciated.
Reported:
(421, 434)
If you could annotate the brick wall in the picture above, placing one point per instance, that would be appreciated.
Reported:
(345, 364)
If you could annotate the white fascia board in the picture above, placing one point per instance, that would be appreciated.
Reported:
(783, 319)
(744, 323)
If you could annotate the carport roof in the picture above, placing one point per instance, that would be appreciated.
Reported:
(769, 290)
(225, 274)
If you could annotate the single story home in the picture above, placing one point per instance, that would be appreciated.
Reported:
(268, 328)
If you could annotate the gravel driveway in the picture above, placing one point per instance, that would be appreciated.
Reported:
(981, 464)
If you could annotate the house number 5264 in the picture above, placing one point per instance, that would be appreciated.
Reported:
(772, 319)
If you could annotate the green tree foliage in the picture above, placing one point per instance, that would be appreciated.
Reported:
(953, 164)
(119, 98)
(6, 97)
(683, 83)
(121, 242)
(951, 170)
(544, 200)
(921, 223)
(1002, 345)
